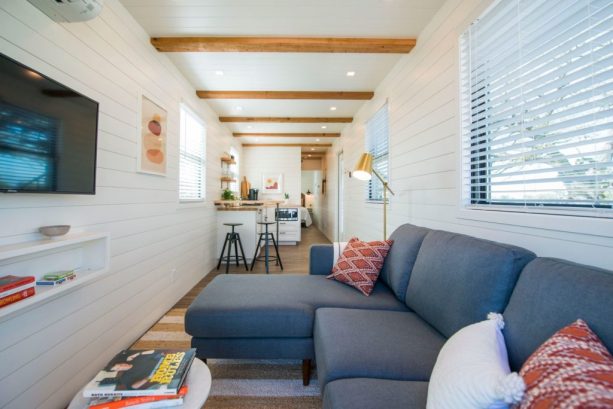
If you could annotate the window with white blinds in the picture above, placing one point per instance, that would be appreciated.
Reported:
(537, 106)
(192, 157)
(377, 143)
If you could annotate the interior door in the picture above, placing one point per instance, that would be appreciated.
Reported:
(340, 222)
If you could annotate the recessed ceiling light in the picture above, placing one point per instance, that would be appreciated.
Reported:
(312, 149)
(351, 73)
(257, 139)
(219, 72)
(249, 127)
(309, 155)
(317, 140)
(323, 127)
(239, 108)
(332, 108)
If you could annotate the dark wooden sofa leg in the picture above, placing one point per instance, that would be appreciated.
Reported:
(306, 371)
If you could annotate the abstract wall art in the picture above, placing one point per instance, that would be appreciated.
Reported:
(152, 152)
(272, 183)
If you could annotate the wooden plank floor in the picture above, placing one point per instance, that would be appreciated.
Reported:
(295, 261)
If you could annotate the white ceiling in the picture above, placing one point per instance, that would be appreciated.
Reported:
(284, 71)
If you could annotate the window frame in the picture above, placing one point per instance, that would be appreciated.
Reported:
(581, 219)
(203, 159)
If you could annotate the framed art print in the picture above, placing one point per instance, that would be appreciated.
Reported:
(272, 183)
(152, 138)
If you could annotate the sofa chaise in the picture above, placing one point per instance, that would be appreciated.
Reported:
(379, 351)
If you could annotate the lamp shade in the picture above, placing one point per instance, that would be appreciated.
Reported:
(363, 169)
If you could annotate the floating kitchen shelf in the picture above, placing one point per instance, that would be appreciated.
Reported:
(229, 161)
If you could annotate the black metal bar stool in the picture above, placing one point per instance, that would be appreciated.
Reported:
(267, 257)
(232, 238)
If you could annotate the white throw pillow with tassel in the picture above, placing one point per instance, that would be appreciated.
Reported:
(472, 370)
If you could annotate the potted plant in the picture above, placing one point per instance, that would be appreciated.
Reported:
(227, 195)
(286, 196)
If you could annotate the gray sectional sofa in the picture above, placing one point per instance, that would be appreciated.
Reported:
(379, 351)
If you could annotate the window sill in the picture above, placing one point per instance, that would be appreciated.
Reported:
(189, 204)
(562, 221)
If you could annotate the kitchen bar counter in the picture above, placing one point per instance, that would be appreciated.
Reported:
(239, 209)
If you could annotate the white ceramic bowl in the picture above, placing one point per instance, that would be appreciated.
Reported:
(54, 231)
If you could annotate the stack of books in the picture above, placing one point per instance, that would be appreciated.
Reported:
(141, 379)
(14, 288)
(57, 278)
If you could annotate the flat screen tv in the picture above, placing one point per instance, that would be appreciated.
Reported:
(48, 134)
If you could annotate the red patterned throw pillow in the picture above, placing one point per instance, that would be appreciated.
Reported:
(360, 264)
(572, 369)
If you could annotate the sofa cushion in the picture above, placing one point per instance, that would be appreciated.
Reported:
(360, 263)
(268, 306)
(361, 393)
(571, 369)
(401, 257)
(321, 259)
(472, 370)
(457, 280)
(551, 294)
(353, 343)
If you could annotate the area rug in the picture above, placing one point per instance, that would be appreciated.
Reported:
(238, 384)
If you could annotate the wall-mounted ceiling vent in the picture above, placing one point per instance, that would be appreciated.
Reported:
(69, 11)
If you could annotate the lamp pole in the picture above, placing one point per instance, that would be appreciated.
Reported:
(385, 189)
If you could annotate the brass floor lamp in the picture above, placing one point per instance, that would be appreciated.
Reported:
(364, 171)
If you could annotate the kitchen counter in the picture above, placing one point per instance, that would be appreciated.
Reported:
(239, 209)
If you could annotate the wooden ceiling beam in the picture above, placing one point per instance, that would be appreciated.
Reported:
(287, 135)
(336, 95)
(287, 145)
(293, 120)
(285, 44)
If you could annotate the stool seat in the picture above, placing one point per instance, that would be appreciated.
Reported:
(232, 238)
(266, 223)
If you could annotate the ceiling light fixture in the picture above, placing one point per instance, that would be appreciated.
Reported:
(323, 127)
(219, 72)
(317, 140)
(312, 149)
(257, 139)
(239, 108)
(249, 126)
(332, 108)
(351, 73)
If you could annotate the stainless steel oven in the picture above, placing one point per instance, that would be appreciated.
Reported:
(288, 214)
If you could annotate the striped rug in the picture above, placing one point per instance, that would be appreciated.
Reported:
(239, 384)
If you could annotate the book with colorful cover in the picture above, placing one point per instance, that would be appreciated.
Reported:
(58, 275)
(158, 404)
(16, 289)
(13, 298)
(57, 281)
(139, 402)
(10, 282)
(142, 373)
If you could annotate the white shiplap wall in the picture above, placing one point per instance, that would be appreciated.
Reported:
(258, 161)
(48, 353)
(423, 95)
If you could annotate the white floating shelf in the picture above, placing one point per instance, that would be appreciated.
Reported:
(88, 253)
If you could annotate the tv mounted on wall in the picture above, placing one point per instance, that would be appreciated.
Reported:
(48, 134)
